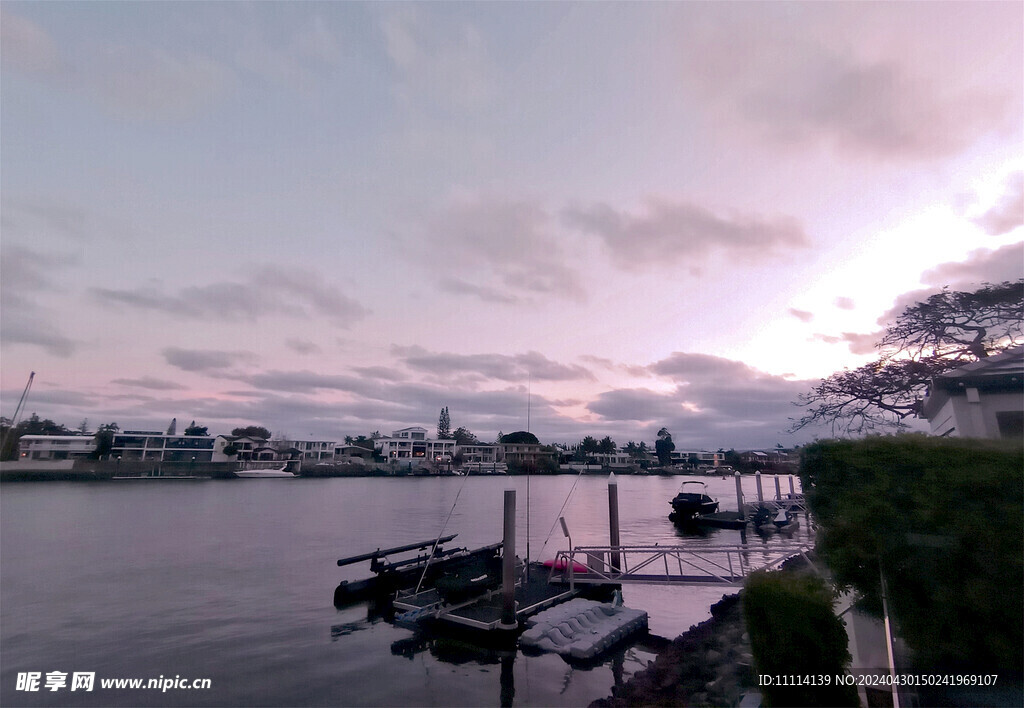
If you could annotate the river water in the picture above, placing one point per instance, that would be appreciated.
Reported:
(233, 581)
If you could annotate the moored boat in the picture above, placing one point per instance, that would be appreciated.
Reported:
(691, 501)
(281, 473)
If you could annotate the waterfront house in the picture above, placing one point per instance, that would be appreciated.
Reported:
(248, 448)
(697, 458)
(477, 452)
(55, 447)
(312, 450)
(347, 453)
(983, 399)
(520, 453)
(412, 444)
(160, 447)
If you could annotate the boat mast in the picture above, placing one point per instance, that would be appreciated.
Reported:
(529, 387)
(17, 411)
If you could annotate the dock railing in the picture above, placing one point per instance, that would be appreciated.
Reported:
(673, 565)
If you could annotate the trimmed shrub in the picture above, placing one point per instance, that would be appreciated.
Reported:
(794, 632)
(943, 518)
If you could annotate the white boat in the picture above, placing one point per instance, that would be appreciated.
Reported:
(264, 474)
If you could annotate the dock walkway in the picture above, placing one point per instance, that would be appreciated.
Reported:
(673, 565)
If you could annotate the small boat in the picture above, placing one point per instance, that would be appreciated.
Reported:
(690, 501)
(390, 576)
(265, 474)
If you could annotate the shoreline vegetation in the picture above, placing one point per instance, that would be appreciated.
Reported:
(93, 470)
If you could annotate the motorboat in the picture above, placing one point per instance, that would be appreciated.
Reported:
(693, 499)
(281, 473)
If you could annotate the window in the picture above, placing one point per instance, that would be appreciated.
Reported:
(1011, 424)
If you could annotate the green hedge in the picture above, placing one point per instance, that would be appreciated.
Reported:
(795, 632)
(944, 519)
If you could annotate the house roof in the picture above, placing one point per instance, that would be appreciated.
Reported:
(1010, 360)
(1002, 372)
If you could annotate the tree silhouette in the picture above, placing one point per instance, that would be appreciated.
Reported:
(946, 331)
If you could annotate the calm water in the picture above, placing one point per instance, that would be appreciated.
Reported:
(233, 581)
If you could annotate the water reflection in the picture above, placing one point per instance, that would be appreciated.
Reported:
(622, 661)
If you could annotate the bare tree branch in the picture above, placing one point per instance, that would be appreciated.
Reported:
(945, 331)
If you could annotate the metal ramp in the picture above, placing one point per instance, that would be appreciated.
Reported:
(793, 503)
(672, 565)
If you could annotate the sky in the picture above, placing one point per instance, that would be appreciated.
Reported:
(582, 219)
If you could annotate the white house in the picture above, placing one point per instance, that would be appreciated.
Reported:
(413, 443)
(478, 452)
(55, 447)
(983, 399)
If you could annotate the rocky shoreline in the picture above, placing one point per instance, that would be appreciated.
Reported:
(708, 665)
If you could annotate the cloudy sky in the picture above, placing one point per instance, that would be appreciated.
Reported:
(335, 218)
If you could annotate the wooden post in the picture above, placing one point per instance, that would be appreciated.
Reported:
(778, 489)
(613, 520)
(508, 564)
(791, 489)
(760, 494)
(739, 494)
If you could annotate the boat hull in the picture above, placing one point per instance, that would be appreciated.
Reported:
(264, 474)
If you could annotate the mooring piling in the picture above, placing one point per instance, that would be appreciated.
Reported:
(613, 519)
(739, 493)
(760, 494)
(508, 564)
(778, 489)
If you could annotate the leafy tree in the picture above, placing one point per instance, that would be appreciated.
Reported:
(663, 447)
(520, 437)
(607, 445)
(83, 427)
(444, 425)
(231, 450)
(589, 445)
(252, 431)
(632, 450)
(733, 459)
(194, 429)
(946, 331)
(463, 436)
(104, 440)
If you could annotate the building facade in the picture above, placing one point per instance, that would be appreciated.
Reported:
(160, 447)
(55, 447)
(984, 399)
(413, 444)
